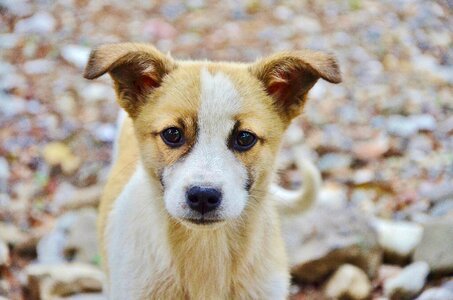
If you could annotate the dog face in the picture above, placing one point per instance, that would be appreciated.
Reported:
(209, 132)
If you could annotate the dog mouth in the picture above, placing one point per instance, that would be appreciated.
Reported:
(203, 221)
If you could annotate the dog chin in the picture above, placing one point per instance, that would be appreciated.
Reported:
(201, 223)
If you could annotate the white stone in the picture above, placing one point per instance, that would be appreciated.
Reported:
(76, 55)
(348, 282)
(41, 22)
(398, 237)
(436, 294)
(409, 282)
(4, 253)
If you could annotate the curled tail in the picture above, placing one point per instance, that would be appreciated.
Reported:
(293, 202)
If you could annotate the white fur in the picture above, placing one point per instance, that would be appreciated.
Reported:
(138, 253)
(210, 163)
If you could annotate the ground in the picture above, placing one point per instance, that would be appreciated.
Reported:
(383, 139)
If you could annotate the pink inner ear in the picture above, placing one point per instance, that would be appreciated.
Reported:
(146, 82)
(277, 88)
(278, 84)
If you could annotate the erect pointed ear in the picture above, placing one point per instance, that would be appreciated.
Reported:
(136, 69)
(288, 77)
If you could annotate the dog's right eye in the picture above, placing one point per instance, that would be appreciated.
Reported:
(173, 137)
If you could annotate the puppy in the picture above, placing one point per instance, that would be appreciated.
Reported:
(187, 212)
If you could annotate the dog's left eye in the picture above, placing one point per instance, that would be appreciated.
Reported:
(173, 137)
(244, 140)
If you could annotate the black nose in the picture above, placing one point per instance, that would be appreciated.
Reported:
(203, 199)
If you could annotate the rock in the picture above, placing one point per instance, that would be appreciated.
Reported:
(58, 280)
(398, 239)
(50, 248)
(408, 283)
(95, 91)
(437, 192)
(333, 195)
(105, 132)
(448, 285)
(436, 294)
(59, 154)
(372, 149)
(41, 23)
(68, 197)
(348, 282)
(408, 126)
(436, 246)
(442, 208)
(90, 296)
(331, 162)
(82, 239)
(76, 55)
(386, 272)
(73, 238)
(325, 238)
(4, 254)
(12, 235)
(158, 29)
(4, 175)
(38, 66)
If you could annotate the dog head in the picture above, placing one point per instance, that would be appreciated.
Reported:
(209, 132)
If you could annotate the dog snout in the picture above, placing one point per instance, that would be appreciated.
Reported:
(203, 199)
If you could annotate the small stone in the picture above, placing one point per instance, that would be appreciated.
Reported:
(158, 29)
(307, 24)
(59, 280)
(436, 246)
(398, 238)
(372, 149)
(59, 154)
(12, 235)
(442, 208)
(437, 192)
(436, 294)
(4, 174)
(348, 282)
(73, 238)
(408, 283)
(38, 66)
(96, 91)
(325, 238)
(105, 132)
(333, 195)
(41, 23)
(76, 55)
(408, 126)
(81, 244)
(4, 254)
(334, 161)
(87, 296)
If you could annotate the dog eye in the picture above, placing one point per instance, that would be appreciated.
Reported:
(244, 141)
(173, 137)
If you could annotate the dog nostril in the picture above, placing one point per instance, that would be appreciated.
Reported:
(212, 200)
(203, 199)
(193, 199)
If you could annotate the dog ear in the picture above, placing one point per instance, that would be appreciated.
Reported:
(288, 77)
(137, 69)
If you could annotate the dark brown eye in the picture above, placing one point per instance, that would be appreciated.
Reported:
(173, 137)
(244, 141)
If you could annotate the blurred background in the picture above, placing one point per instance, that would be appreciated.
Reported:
(383, 139)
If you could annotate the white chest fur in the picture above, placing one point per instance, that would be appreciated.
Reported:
(138, 254)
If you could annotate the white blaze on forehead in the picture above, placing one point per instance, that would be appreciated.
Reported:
(220, 101)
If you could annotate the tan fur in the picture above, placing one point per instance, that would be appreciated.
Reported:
(231, 260)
